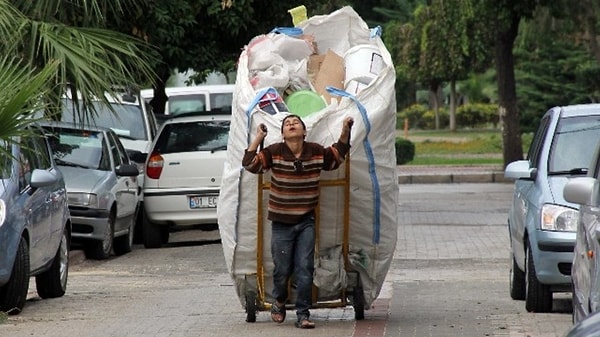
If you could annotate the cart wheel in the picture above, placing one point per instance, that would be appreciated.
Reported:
(358, 302)
(251, 307)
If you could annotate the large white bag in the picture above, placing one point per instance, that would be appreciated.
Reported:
(373, 178)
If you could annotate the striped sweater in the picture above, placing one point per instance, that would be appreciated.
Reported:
(294, 183)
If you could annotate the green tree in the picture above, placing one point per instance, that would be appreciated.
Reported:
(206, 35)
(552, 67)
(89, 57)
(458, 44)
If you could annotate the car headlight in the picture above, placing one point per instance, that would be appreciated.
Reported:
(83, 200)
(559, 218)
(2, 212)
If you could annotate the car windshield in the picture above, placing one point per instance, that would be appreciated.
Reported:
(128, 122)
(193, 136)
(574, 145)
(79, 148)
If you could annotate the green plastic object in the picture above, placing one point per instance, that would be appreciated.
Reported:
(304, 102)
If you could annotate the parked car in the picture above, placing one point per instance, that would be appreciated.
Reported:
(541, 222)
(213, 99)
(132, 120)
(587, 327)
(183, 175)
(35, 227)
(585, 272)
(101, 185)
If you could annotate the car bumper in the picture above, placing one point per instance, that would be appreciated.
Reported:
(174, 209)
(553, 257)
(89, 224)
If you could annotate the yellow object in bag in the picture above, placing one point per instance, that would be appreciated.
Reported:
(298, 14)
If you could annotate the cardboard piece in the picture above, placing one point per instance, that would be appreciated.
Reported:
(326, 70)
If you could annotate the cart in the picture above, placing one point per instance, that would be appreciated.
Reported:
(255, 285)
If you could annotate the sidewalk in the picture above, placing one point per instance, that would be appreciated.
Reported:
(432, 174)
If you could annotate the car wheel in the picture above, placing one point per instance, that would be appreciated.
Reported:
(538, 297)
(517, 281)
(101, 249)
(138, 235)
(122, 244)
(53, 282)
(165, 234)
(14, 293)
(153, 237)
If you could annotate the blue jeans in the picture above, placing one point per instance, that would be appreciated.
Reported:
(293, 251)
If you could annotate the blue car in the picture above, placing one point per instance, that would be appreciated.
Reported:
(586, 262)
(542, 224)
(35, 227)
(587, 327)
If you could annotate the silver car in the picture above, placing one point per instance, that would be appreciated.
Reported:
(586, 262)
(35, 227)
(101, 184)
(541, 222)
(183, 175)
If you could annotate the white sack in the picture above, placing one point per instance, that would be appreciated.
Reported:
(373, 177)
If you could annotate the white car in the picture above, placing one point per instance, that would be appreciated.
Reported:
(183, 175)
(209, 99)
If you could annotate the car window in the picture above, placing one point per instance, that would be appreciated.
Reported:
(538, 141)
(193, 136)
(43, 159)
(187, 103)
(79, 148)
(6, 160)
(118, 151)
(26, 163)
(574, 143)
(128, 122)
(221, 102)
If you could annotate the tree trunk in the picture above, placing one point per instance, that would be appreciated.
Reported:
(452, 105)
(434, 102)
(159, 99)
(512, 148)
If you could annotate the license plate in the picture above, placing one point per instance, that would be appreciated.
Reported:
(204, 201)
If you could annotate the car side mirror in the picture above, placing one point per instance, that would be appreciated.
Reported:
(520, 170)
(42, 178)
(128, 170)
(582, 191)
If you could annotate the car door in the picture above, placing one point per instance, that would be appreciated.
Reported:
(525, 193)
(56, 193)
(38, 205)
(126, 188)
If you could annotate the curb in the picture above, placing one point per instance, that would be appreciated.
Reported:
(449, 178)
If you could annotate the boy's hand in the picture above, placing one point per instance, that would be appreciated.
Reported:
(261, 131)
(348, 122)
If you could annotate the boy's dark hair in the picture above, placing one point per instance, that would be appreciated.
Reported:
(290, 116)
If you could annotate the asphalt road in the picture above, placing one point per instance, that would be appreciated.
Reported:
(449, 277)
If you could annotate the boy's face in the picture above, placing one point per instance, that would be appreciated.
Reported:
(292, 127)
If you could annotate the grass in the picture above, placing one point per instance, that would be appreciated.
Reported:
(463, 147)
(3, 317)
